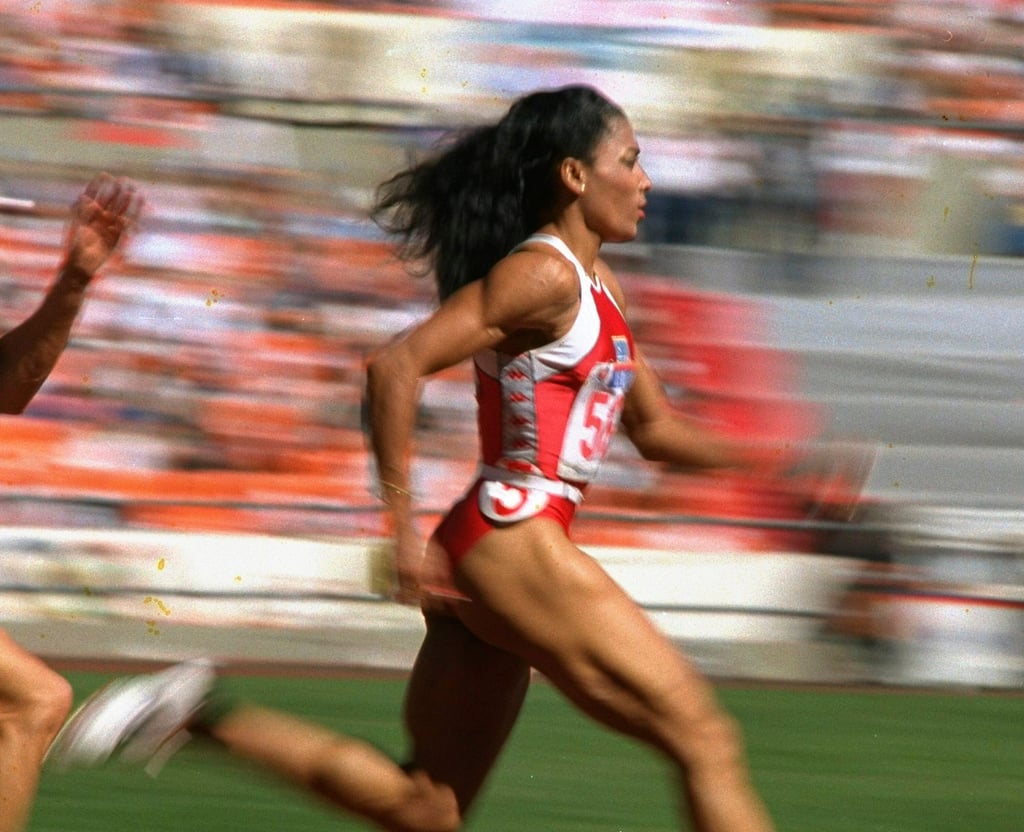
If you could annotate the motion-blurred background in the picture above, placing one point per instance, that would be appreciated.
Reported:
(831, 255)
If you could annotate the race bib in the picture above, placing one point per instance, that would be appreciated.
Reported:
(593, 420)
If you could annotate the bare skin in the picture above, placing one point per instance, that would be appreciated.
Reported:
(623, 673)
(525, 595)
(457, 723)
(531, 592)
(99, 218)
(34, 701)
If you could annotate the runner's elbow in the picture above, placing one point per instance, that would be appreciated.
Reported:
(391, 366)
(646, 442)
(382, 364)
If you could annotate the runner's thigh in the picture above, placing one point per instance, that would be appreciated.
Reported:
(537, 595)
(462, 701)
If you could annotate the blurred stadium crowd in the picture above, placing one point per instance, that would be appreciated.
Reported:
(214, 381)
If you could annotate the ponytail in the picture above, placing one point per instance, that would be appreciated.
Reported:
(460, 212)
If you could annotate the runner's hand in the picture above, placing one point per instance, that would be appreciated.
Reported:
(408, 565)
(836, 474)
(100, 218)
(423, 576)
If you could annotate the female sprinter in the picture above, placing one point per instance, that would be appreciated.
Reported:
(511, 218)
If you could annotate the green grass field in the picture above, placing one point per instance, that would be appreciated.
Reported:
(844, 761)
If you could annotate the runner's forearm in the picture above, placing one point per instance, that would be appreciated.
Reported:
(391, 398)
(29, 352)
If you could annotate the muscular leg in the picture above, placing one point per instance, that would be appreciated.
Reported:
(538, 596)
(462, 700)
(349, 773)
(34, 702)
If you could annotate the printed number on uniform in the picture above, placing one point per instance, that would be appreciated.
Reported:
(599, 421)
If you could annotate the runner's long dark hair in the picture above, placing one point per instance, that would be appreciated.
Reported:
(461, 211)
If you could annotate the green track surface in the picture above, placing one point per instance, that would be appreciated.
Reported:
(846, 761)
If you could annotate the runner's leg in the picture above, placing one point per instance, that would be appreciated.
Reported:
(349, 773)
(462, 701)
(34, 702)
(538, 596)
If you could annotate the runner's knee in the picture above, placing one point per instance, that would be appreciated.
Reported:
(431, 808)
(52, 704)
(420, 805)
(425, 807)
(39, 705)
(713, 741)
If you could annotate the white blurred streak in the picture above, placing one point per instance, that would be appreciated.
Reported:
(12, 204)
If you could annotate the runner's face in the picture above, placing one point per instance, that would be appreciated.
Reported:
(616, 185)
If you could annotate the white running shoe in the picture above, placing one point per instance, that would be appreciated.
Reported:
(143, 717)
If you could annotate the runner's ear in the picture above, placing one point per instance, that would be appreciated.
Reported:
(573, 175)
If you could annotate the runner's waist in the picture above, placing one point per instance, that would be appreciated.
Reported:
(557, 488)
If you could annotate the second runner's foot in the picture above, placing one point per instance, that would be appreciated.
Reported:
(145, 718)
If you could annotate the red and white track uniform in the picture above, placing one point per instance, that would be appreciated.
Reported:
(546, 418)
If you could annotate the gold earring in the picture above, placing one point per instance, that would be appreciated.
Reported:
(583, 187)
